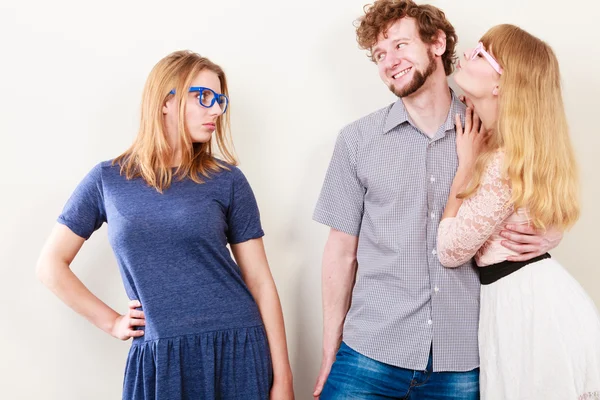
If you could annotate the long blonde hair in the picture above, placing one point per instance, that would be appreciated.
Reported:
(532, 130)
(149, 157)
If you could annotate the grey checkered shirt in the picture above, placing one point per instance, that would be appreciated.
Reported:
(388, 183)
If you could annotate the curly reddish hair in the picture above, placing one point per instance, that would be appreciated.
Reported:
(430, 20)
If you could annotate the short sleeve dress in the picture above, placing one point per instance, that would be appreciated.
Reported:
(204, 337)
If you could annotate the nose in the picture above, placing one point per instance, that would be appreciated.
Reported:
(466, 53)
(215, 109)
(392, 61)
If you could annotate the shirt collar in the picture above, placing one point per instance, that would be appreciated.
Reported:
(398, 114)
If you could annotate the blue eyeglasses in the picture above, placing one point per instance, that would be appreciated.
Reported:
(208, 97)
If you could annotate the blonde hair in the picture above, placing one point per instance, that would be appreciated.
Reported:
(532, 130)
(149, 157)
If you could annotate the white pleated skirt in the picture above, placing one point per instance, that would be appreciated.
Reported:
(539, 337)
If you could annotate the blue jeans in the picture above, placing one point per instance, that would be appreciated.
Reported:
(354, 376)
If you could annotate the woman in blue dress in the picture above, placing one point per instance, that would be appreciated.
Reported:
(204, 326)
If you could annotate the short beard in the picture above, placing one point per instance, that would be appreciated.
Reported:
(418, 80)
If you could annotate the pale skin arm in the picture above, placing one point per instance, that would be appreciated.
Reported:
(338, 277)
(469, 142)
(459, 184)
(529, 242)
(252, 260)
(53, 269)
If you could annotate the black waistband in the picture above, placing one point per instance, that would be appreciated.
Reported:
(492, 273)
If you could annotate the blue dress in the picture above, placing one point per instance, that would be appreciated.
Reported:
(204, 337)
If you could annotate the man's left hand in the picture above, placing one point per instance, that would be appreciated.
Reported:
(529, 242)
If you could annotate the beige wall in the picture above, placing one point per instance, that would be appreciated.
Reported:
(72, 75)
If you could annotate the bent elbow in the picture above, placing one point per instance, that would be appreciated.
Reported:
(449, 262)
(47, 270)
(42, 272)
(449, 259)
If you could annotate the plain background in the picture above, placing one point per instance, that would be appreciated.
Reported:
(70, 88)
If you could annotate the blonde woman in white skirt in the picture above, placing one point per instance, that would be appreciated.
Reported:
(539, 332)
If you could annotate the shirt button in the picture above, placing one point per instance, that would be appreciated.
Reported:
(429, 322)
(432, 178)
(437, 289)
(433, 252)
(432, 215)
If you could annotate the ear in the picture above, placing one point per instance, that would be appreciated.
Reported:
(496, 90)
(439, 44)
(168, 104)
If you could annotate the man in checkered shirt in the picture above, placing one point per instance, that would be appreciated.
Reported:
(396, 322)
